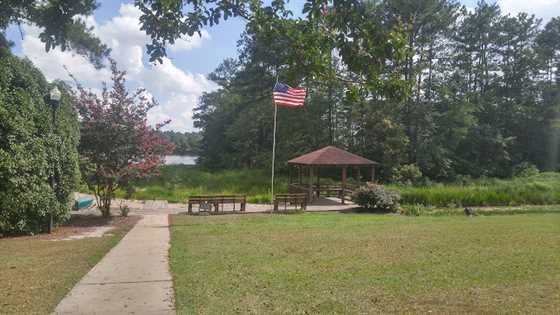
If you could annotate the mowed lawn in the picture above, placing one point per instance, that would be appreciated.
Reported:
(35, 273)
(327, 263)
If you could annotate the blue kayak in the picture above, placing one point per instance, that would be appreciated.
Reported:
(83, 203)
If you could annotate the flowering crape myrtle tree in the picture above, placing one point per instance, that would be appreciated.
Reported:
(117, 144)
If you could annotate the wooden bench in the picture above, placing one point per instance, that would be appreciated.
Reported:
(290, 199)
(205, 203)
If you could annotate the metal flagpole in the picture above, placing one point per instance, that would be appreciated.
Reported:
(273, 146)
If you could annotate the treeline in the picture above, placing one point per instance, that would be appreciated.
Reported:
(185, 143)
(476, 93)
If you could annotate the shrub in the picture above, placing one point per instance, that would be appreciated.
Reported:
(525, 169)
(124, 209)
(376, 197)
(414, 210)
(463, 179)
(407, 174)
(33, 151)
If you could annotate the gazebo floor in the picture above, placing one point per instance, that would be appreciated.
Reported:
(330, 204)
(331, 201)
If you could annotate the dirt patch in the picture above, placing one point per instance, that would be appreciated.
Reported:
(80, 224)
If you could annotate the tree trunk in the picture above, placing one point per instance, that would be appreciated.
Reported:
(104, 197)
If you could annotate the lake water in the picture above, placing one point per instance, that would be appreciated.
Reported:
(180, 159)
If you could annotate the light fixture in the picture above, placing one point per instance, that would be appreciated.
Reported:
(55, 95)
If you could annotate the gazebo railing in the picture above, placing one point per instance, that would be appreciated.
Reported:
(324, 190)
(297, 188)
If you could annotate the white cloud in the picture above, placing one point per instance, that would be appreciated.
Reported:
(176, 89)
(52, 63)
(182, 90)
(188, 43)
(167, 77)
(178, 108)
(544, 9)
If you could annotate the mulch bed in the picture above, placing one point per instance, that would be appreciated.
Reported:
(82, 223)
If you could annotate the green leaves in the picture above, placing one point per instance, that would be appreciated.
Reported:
(33, 151)
(116, 142)
(453, 91)
(60, 23)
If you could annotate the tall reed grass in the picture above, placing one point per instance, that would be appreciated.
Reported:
(540, 189)
(178, 182)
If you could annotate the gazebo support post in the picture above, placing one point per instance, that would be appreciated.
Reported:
(310, 191)
(300, 174)
(317, 180)
(343, 183)
(358, 174)
(373, 174)
(289, 175)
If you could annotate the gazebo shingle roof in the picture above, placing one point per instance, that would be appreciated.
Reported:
(331, 156)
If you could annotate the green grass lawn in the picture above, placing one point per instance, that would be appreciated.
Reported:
(419, 210)
(363, 263)
(35, 274)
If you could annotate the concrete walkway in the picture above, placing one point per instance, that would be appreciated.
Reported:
(148, 207)
(133, 278)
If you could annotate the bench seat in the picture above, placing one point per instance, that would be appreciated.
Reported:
(298, 200)
(216, 201)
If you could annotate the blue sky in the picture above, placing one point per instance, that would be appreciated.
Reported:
(223, 41)
(181, 79)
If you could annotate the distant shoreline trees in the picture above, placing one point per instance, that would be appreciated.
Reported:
(185, 143)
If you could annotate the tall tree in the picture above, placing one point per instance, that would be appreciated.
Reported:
(456, 91)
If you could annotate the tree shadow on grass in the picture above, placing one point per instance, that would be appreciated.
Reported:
(95, 220)
(87, 220)
(77, 224)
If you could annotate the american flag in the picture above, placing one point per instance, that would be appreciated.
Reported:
(288, 96)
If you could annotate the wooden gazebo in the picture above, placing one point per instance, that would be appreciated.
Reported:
(327, 157)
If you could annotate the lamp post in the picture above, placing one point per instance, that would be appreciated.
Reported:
(54, 101)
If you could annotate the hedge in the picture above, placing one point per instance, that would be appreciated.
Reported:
(32, 150)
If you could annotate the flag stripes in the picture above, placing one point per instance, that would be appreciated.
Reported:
(285, 95)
